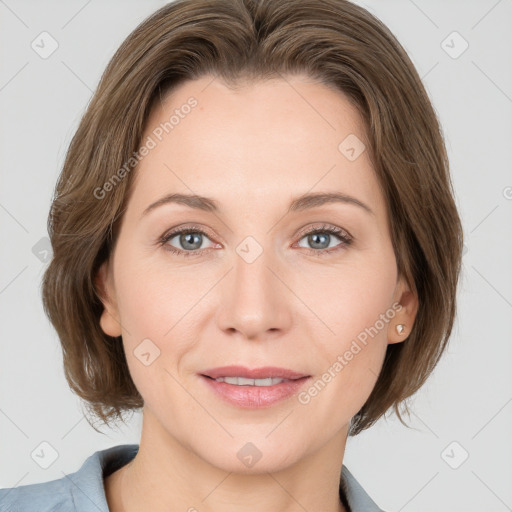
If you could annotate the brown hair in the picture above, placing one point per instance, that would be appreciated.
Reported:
(334, 41)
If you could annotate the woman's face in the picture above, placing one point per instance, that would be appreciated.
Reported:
(248, 286)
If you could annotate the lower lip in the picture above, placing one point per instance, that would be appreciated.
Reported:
(255, 397)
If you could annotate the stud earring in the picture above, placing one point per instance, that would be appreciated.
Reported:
(400, 328)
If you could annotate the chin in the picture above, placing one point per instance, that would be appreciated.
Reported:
(250, 456)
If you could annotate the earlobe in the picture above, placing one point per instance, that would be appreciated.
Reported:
(401, 325)
(109, 322)
(400, 328)
(398, 334)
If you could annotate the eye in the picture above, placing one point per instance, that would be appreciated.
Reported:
(320, 238)
(191, 239)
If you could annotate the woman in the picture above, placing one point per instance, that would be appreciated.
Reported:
(255, 241)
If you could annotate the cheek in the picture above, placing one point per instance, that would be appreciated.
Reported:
(351, 297)
(154, 309)
(356, 308)
(153, 295)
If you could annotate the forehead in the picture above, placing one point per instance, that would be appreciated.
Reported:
(271, 139)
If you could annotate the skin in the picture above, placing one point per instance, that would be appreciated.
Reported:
(252, 150)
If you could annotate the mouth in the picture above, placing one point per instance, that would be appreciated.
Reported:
(253, 389)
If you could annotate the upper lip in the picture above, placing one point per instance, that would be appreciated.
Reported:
(256, 373)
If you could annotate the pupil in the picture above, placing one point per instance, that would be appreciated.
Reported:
(185, 240)
(315, 237)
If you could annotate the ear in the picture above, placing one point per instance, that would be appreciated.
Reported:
(109, 320)
(408, 300)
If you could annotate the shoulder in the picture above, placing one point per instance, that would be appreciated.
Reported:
(48, 496)
(82, 491)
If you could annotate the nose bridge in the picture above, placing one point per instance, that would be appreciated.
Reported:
(253, 299)
(253, 280)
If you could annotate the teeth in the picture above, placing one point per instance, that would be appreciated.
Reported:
(242, 381)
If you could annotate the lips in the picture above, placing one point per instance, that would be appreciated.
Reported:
(249, 389)
(256, 373)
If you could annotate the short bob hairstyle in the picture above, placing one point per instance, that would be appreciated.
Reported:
(241, 41)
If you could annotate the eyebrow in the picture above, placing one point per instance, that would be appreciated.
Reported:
(301, 203)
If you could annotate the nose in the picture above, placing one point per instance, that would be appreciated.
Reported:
(255, 299)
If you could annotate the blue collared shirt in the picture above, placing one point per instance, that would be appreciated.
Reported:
(83, 491)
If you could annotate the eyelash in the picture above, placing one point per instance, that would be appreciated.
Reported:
(345, 238)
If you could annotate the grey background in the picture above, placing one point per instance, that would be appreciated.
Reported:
(468, 399)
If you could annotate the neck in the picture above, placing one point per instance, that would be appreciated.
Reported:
(167, 476)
